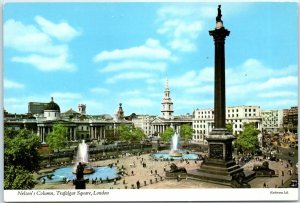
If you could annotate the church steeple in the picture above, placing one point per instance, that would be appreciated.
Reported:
(120, 113)
(167, 104)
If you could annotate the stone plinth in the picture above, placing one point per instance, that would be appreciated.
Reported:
(79, 184)
(219, 167)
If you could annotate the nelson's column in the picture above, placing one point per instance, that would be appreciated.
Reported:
(219, 167)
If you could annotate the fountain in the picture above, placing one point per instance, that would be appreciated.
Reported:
(174, 146)
(83, 158)
(65, 174)
(175, 153)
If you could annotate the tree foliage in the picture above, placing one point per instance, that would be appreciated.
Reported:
(130, 133)
(186, 132)
(17, 178)
(57, 139)
(167, 134)
(138, 134)
(229, 128)
(248, 139)
(124, 132)
(21, 158)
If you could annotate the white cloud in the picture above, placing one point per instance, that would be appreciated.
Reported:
(140, 102)
(37, 42)
(138, 65)
(273, 94)
(46, 63)
(131, 93)
(27, 38)
(181, 25)
(193, 78)
(9, 84)
(187, 11)
(193, 102)
(65, 95)
(206, 89)
(129, 76)
(62, 31)
(151, 50)
(94, 107)
(280, 82)
(100, 90)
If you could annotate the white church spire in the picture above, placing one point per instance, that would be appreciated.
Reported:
(167, 104)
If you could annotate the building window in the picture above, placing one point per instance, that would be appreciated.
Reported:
(235, 125)
(228, 115)
(240, 125)
(237, 115)
(254, 110)
(245, 110)
(249, 114)
(246, 115)
(249, 110)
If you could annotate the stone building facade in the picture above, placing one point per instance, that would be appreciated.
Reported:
(203, 120)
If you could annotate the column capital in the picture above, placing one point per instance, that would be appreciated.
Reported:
(220, 34)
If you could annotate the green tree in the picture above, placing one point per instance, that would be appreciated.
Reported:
(21, 159)
(130, 133)
(138, 134)
(248, 139)
(167, 134)
(186, 133)
(229, 128)
(57, 138)
(124, 132)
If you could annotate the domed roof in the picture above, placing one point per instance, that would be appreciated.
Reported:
(52, 106)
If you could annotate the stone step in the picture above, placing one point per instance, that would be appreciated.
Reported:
(209, 177)
(218, 170)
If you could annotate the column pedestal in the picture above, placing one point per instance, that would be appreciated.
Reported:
(219, 167)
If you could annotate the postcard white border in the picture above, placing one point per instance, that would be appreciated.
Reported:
(275, 194)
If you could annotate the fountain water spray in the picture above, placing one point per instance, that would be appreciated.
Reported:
(83, 157)
(82, 153)
(174, 145)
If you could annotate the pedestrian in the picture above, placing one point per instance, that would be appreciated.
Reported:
(132, 173)
(282, 173)
(264, 185)
(138, 184)
(282, 182)
(124, 182)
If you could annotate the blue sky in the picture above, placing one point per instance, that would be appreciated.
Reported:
(103, 54)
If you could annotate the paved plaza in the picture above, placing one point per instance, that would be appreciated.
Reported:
(141, 174)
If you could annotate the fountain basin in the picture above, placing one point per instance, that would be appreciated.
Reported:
(175, 153)
(168, 156)
(87, 169)
(65, 174)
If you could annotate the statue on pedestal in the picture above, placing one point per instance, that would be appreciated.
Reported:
(79, 171)
(219, 16)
